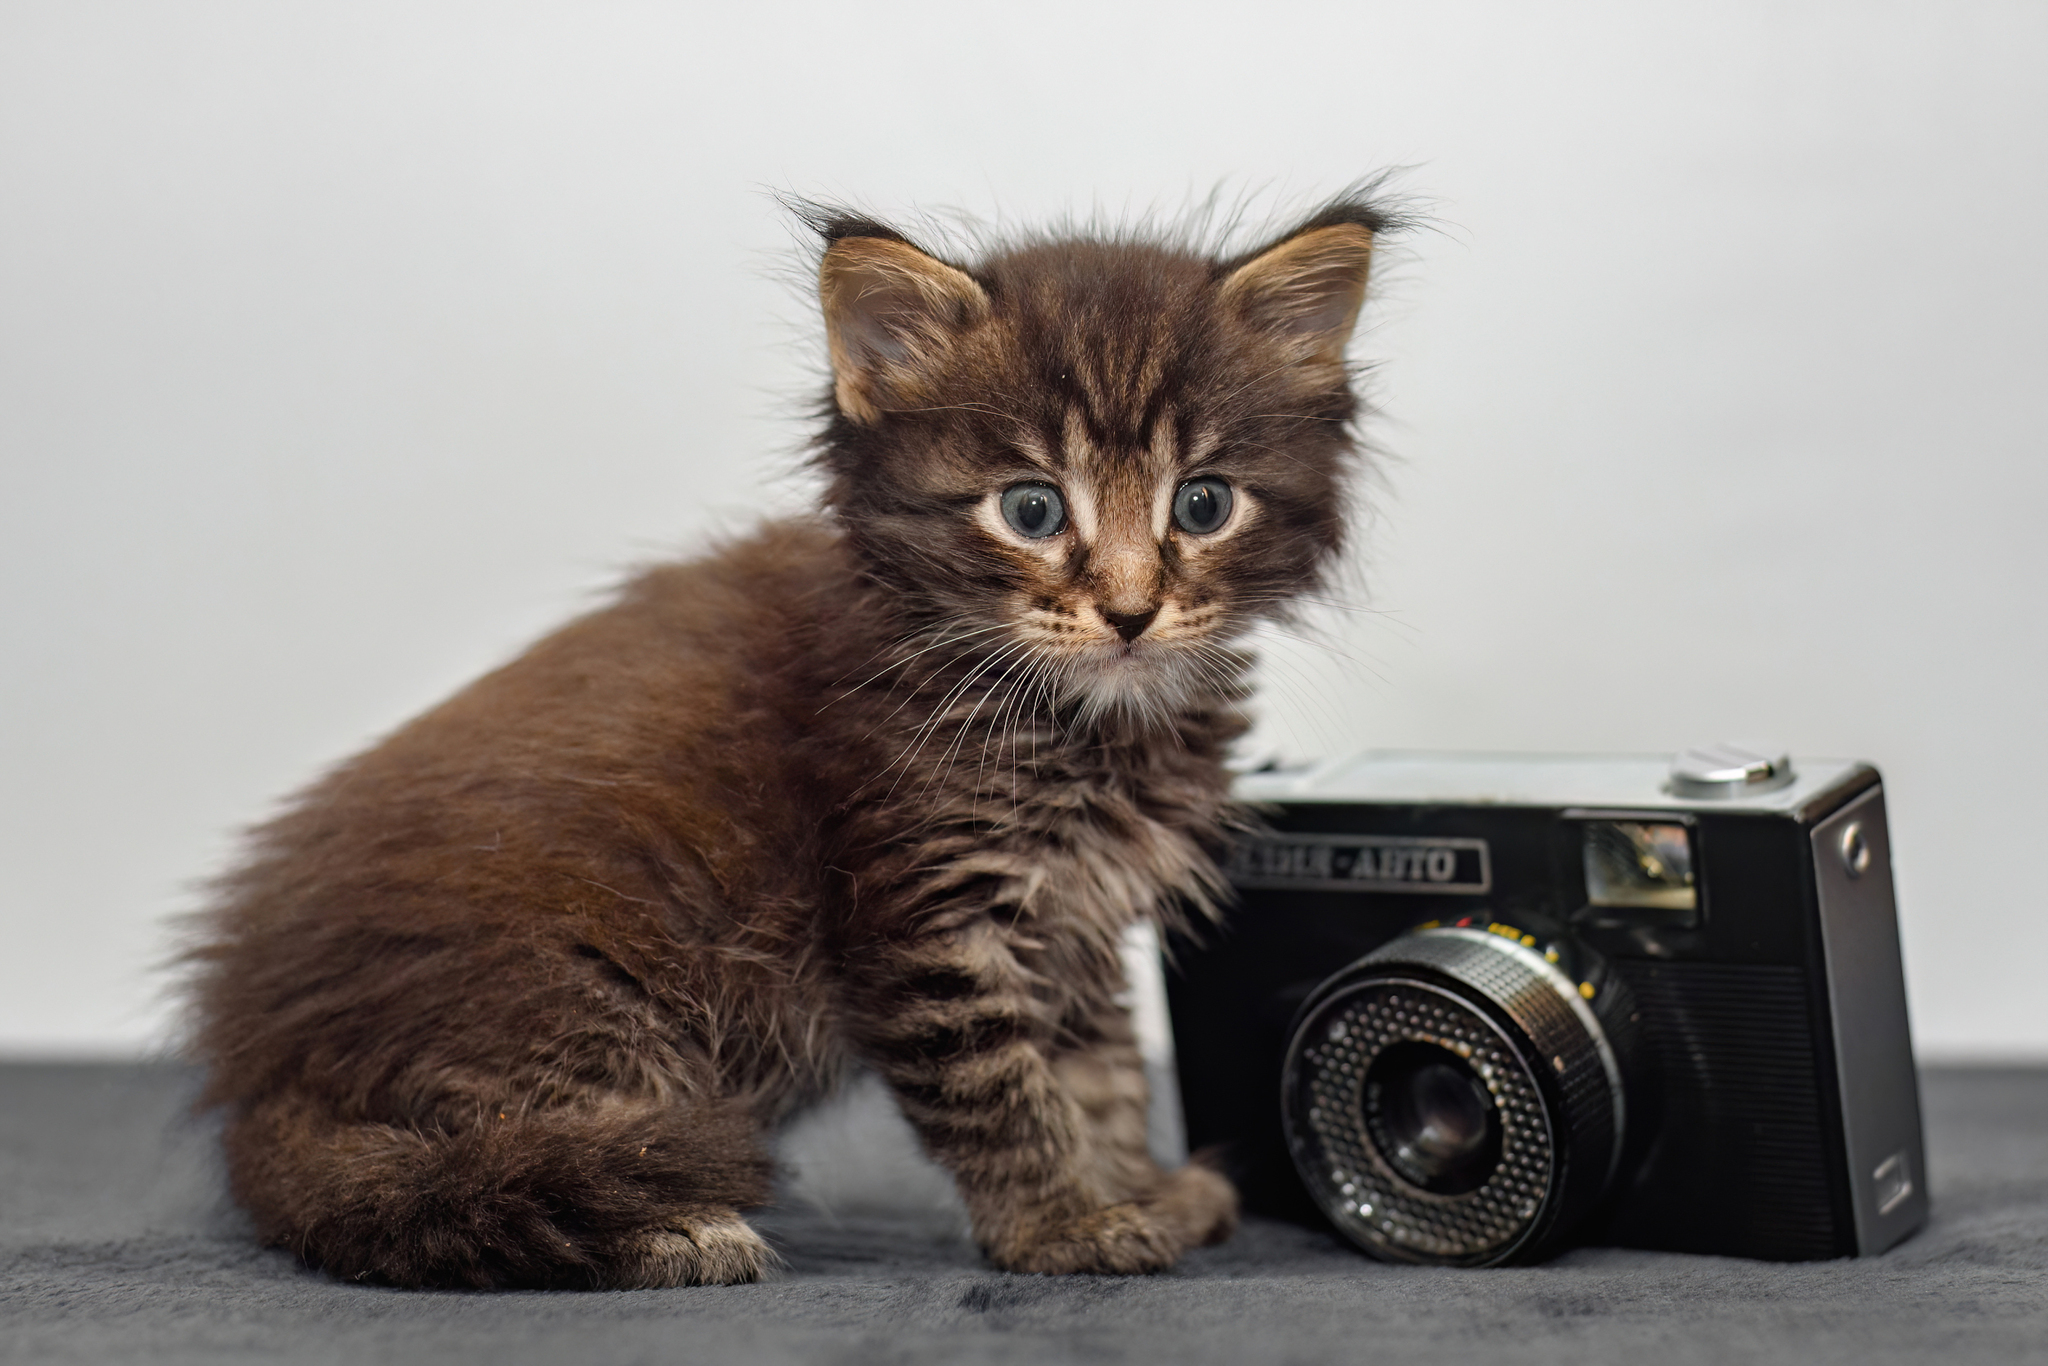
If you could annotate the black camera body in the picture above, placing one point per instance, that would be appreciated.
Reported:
(1474, 1009)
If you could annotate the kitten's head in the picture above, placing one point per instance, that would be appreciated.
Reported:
(1098, 458)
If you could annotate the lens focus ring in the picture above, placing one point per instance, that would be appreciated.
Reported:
(1451, 1099)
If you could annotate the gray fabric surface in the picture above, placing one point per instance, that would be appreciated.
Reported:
(115, 1246)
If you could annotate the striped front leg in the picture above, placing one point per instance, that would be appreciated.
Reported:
(1099, 1066)
(1036, 1136)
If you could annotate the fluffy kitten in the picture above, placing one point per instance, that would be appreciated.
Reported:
(514, 997)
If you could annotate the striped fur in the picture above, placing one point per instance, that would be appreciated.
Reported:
(513, 997)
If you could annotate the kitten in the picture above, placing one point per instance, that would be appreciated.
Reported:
(513, 998)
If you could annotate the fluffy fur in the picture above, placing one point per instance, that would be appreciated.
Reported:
(514, 997)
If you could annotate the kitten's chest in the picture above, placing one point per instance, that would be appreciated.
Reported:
(1075, 857)
(954, 810)
(1110, 856)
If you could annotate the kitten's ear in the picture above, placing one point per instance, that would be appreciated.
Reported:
(892, 313)
(1305, 290)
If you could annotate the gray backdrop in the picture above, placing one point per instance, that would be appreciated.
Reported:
(343, 347)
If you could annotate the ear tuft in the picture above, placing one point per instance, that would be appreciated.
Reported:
(892, 315)
(1307, 289)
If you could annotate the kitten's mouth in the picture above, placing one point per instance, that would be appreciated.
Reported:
(1132, 652)
(1118, 662)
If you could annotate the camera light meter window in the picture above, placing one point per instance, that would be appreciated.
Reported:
(1643, 865)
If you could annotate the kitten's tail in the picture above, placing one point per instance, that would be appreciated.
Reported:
(632, 1194)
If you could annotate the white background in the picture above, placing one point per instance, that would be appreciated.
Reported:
(345, 346)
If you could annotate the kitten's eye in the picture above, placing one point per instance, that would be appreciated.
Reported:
(1035, 510)
(1202, 505)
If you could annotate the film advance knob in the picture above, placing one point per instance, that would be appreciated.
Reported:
(1730, 769)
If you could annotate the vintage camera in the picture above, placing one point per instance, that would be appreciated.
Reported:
(1474, 1009)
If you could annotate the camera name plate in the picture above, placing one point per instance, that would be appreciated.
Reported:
(1361, 863)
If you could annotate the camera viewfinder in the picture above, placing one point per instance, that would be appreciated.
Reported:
(1641, 866)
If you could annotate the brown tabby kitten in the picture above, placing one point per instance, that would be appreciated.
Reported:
(513, 998)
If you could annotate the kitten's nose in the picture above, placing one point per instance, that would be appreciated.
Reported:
(1130, 625)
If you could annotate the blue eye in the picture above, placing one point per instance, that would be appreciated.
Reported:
(1034, 510)
(1202, 505)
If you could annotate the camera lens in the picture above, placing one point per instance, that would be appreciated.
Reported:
(1456, 1097)
(1432, 1118)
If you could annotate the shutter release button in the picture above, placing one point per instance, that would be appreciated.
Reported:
(1730, 769)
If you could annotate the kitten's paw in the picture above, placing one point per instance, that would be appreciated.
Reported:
(716, 1248)
(1193, 1207)
(1197, 1202)
(1121, 1240)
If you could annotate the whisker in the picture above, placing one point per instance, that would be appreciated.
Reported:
(908, 699)
(988, 408)
(914, 655)
(967, 724)
(908, 751)
(1373, 667)
(937, 718)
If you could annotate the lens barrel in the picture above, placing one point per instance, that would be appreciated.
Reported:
(1457, 1097)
